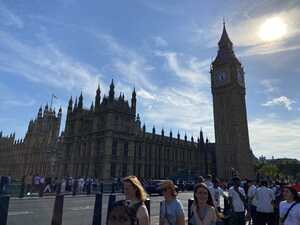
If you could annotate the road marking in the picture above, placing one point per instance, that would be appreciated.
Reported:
(81, 208)
(17, 213)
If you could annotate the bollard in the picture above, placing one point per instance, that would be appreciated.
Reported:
(111, 201)
(58, 210)
(148, 206)
(190, 203)
(75, 185)
(41, 190)
(4, 202)
(97, 218)
(113, 188)
(101, 187)
(22, 189)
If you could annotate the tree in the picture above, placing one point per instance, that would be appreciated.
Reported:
(269, 170)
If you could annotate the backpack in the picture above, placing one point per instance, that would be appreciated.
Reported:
(122, 213)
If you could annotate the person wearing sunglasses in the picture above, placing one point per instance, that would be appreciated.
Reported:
(171, 209)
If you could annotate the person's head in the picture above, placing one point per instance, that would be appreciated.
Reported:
(209, 177)
(134, 189)
(216, 182)
(168, 189)
(264, 183)
(236, 181)
(200, 179)
(202, 195)
(290, 194)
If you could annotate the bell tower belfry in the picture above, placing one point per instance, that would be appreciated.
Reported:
(233, 152)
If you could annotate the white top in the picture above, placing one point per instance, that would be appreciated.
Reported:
(264, 197)
(294, 215)
(251, 194)
(238, 205)
(216, 193)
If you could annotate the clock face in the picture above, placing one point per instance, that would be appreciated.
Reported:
(221, 78)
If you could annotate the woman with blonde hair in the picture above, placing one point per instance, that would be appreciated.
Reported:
(171, 209)
(135, 198)
(203, 211)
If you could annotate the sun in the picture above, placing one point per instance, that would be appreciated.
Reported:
(273, 29)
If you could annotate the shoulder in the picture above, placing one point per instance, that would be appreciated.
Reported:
(142, 211)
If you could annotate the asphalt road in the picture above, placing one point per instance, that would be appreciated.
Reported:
(78, 210)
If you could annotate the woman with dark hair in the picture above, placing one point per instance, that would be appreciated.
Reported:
(203, 211)
(289, 210)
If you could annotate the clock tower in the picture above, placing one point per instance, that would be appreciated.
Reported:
(233, 152)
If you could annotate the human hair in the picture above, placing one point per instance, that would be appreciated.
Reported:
(209, 200)
(140, 191)
(264, 183)
(294, 192)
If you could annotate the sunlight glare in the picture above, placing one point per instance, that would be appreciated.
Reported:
(273, 29)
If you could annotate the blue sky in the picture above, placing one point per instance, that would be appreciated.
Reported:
(164, 49)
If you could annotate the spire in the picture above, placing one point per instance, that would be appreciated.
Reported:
(75, 104)
(178, 135)
(171, 134)
(92, 106)
(80, 101)
(133, 102)
(153, 130)
(225, 42)
(70, 105)
(40, 113)
(162, 132)
(98, 97)
(111, 91)
(59, 112)
(201, 137)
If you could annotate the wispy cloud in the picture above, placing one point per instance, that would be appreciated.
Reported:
(270, 85)
(47, 64)
(280, 101)
(8, 18)
(160, 42)
(276, 138)
(191, 70)
(6, 103)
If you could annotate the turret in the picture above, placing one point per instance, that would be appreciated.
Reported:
(153, 130)
(133, 102)
(98, 98)
(162, 132)
(59, 113)
(111, 91)
(70, 106)
(171, 135)
(92, 107)
(80, 101)
(40, 113)
(138, 120)
(75, 104)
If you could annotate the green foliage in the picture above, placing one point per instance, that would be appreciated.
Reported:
(269, 170)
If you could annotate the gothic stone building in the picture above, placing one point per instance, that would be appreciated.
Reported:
(108, 141)
(37, 153)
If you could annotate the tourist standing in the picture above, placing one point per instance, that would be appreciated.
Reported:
(216, 193)
(171, 209)
(136, 196)
(237, 199)
(203, 211)
(265, 200)
(289, 209)
(251, 201)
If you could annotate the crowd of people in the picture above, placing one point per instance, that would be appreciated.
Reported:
(258, 203)
(248, 201)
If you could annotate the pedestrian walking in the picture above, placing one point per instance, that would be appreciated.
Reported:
(289, 209)
(265, 200)
(203, 211)
(135, 198)
(237, 199)
(171, 209)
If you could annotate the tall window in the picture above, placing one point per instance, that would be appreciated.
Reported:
(124, 172)
(126, 150)
(113, 170)
(114, 147)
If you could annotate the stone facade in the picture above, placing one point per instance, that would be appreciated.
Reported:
(38, 152)
(108, 141)
(230, 115)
